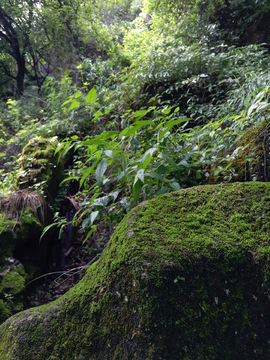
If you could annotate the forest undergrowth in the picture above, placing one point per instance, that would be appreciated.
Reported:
(160, 110)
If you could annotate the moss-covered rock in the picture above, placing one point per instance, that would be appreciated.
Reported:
(185, 276)
(15, 238)
(40, 165)
(8, 237)
(12, 281)
(248, 159)
(13, 232)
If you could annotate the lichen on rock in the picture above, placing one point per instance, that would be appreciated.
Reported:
(184, 276)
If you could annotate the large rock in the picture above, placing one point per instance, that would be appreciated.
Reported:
(185, 276)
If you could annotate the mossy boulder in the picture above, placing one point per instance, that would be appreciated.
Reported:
(12, 281)
(249, 158)
(41, 168)
(13, 232)
(14, 239)
(184, 276)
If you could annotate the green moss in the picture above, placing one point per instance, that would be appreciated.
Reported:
(12, 274)
(251, 161)
(12, 281)
(185, 276)
(41, 166)
(7, 238)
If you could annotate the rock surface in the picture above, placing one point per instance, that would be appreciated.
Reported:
(184, 276)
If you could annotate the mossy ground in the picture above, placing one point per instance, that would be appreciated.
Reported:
(185, 276)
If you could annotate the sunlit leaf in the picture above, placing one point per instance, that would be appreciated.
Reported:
(73, 105)
(91, 96)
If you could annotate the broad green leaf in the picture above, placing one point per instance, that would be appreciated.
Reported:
(144, 122)
(97, 115)
(102, 201)
(108, 135)
(136, 189)
(93, 216)
(115, 194)
(78, 95)
(109, 153)
(156, 176)
(139, 176)
(163, 190)
(167, 110)
(85, 223)
(91, 96)
(101, 168)
(140, 113)
(147, 157)
(174, 185)
(74, 105)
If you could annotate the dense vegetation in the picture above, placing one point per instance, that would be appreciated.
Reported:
(144, 98)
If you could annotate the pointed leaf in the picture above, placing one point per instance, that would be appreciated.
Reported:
(101, 168)
(175, 186)
(91, 96)
(74, 105)
(78, 95)
(139, 176)
(136, 189)
(93, 216)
